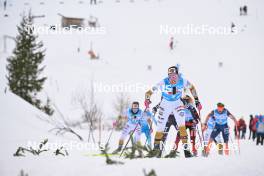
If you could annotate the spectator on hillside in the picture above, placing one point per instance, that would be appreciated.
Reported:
(260, 129)
(242, 128)
(5, 4)
(250, 126)
(254, 127)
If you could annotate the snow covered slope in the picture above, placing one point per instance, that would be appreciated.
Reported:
(19, 125)
(133, 40)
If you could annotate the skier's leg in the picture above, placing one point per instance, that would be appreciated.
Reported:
(146, 131)
(213, 135)
(249, 134)
(180, 119)
(193, 137)
(166, 130)
(219, 144)
(125, 132)
(173, 152)
(254, 135)
(225, 133)
(164, 112)
(258, 138)
(137, 134)
(207, 135)
(177, 141)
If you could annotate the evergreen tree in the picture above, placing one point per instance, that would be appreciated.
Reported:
(24, 66)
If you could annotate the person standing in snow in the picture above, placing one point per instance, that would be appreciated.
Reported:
(241, 129)
(250, 126)
(134, 116)
(260, 129)
(5, 4)
(171, 44)
(254, 127)
(172, 88)
(220, 115)
(92, 2)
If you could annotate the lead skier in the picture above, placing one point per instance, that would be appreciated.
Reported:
(172, 88)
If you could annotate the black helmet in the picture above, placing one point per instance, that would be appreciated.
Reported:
(172, 69)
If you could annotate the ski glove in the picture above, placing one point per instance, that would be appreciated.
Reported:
(154, 109)
(198, 104)
(147, 103)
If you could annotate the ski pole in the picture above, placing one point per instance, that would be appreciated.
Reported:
(129, 140)
(108, 140)
(199, 113)
(231, 139)
(238, 143)
(200, 138)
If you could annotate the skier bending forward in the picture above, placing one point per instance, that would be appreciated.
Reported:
(135, 116)
(220, 116)
(172, 88)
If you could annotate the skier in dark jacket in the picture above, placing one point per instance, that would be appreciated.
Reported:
(250, 126)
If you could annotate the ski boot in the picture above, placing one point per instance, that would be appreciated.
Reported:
(187, 154)
(154, 153)
(172, 154)
(205, 153)
(195, 153)
(220, 149)
(119, 149)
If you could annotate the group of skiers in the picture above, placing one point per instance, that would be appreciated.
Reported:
(182, 111)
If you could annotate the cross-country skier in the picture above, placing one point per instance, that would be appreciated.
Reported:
(208, 129)
(191, 120)
(135, 116)
(220, 116)
(172, 88)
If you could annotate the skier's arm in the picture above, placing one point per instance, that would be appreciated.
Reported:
(193, 91)
(231, 116)
(153, 90)
(194, 113)
(208, 117)
(124, 115)
(149, 120)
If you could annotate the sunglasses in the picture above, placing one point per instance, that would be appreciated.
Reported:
(172, 70)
